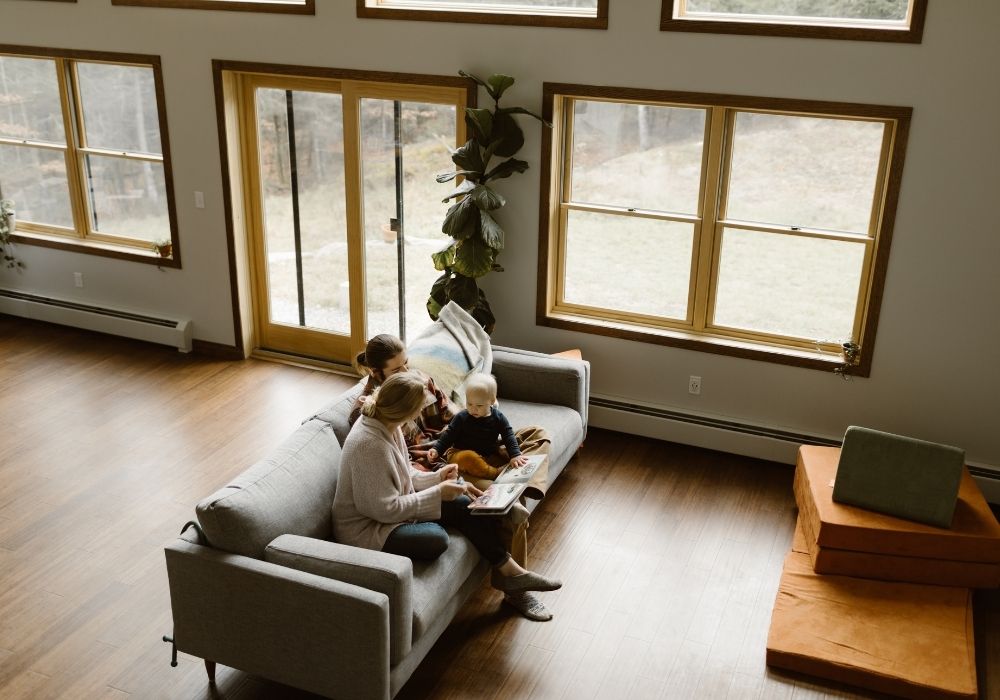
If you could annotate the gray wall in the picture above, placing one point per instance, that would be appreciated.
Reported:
(935, 371)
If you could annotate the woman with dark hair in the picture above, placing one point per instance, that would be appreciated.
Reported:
(383, 503)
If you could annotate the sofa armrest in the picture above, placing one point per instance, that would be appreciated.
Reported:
(377, 571)
(311, 632)
(541, 378)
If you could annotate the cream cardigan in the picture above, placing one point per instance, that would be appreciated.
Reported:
(378, 490)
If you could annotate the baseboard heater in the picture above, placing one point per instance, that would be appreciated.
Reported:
(988, 476)
(96, 318)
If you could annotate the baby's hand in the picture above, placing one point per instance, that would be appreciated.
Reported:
(432, 455)
(519, 461)
(448, 472)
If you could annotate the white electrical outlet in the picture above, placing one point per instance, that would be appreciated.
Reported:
(199, 200)
(694, 385)
(78, 279)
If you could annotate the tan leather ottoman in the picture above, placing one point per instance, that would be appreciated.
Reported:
(851, 541)
(905, 639)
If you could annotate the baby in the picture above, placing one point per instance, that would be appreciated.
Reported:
(472, 438)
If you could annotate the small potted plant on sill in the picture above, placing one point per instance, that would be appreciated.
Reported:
(164, 247)
(6, 230)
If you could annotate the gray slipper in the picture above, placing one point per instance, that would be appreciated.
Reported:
(529, 606)
(528, 581)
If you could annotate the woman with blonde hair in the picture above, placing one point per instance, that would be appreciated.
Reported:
(383, 503)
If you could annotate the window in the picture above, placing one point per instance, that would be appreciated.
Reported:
(750, 226)
(82, 153)
(298, 7)
(586, 14)
(864, 20)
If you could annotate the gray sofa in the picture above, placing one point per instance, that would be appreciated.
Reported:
(264, 589)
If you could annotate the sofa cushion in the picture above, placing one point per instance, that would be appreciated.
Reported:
(564, 426)
(435, 582)
(377, 571)
(288, 492)
(338, 412)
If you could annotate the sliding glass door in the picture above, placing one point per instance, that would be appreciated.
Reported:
(343, 209)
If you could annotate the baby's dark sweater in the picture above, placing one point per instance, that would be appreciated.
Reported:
(466, 432)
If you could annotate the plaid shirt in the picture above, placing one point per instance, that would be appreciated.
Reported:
(421, 433)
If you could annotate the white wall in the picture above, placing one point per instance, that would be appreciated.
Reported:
(935, 373)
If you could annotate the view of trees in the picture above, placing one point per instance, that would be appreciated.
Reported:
(127, 196)
(844, 9)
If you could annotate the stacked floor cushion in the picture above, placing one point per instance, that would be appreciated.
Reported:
(879, 602)
(905, 639)
(842, 539)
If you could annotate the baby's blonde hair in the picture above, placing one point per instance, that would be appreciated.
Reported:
(482, 385)
(399, 398)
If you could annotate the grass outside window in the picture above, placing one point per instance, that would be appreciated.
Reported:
(83, 152)
(756, 227)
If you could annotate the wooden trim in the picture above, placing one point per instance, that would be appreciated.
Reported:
(227, 201)
(217, 350)
(913, 35)
(308, 7)
(599, 21)
(700, 333)
(76, 150)
(263, 73)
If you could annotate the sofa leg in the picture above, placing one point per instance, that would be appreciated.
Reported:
(210, 669)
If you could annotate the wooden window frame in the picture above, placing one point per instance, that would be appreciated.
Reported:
(308, 7)
(599, 21)
(788, 27)
(83, 239)
(695, 333)
(232, 114)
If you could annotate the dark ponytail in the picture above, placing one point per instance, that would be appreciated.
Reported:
(377, 353)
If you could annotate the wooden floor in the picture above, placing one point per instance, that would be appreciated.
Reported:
(670, 555)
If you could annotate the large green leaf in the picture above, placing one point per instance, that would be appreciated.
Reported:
(484, 314)
(468, 157)
(499, 83)
(449, 176)
(492, 233)
(522, 110)
(462, 290)
(505, 169)
(480, 121)
(508, 133)
(466, 187)
(445, 257)
(478, 81)
(438, 296)
(461, 219)
(473, 258)
(486, 198)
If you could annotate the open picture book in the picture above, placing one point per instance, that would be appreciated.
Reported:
(506, 488)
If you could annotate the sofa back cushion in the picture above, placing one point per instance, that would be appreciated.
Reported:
(337, 413)
(288, 492)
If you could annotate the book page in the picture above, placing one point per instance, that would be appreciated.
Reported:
(519, 475)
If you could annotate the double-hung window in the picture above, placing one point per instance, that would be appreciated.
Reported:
(83, 147)
(585, 14)
(748, 226)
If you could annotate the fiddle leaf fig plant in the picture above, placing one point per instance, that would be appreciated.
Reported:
(477, 237)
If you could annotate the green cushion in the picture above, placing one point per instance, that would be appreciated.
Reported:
(899, 476)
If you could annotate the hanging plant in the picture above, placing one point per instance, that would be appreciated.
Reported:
(477, 237)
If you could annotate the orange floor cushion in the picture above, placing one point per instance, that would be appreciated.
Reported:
(905, 639)
(851, 541)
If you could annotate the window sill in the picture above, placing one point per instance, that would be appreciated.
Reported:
(106, 250)
(306, 8)
(703, 342)
(598, 21)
